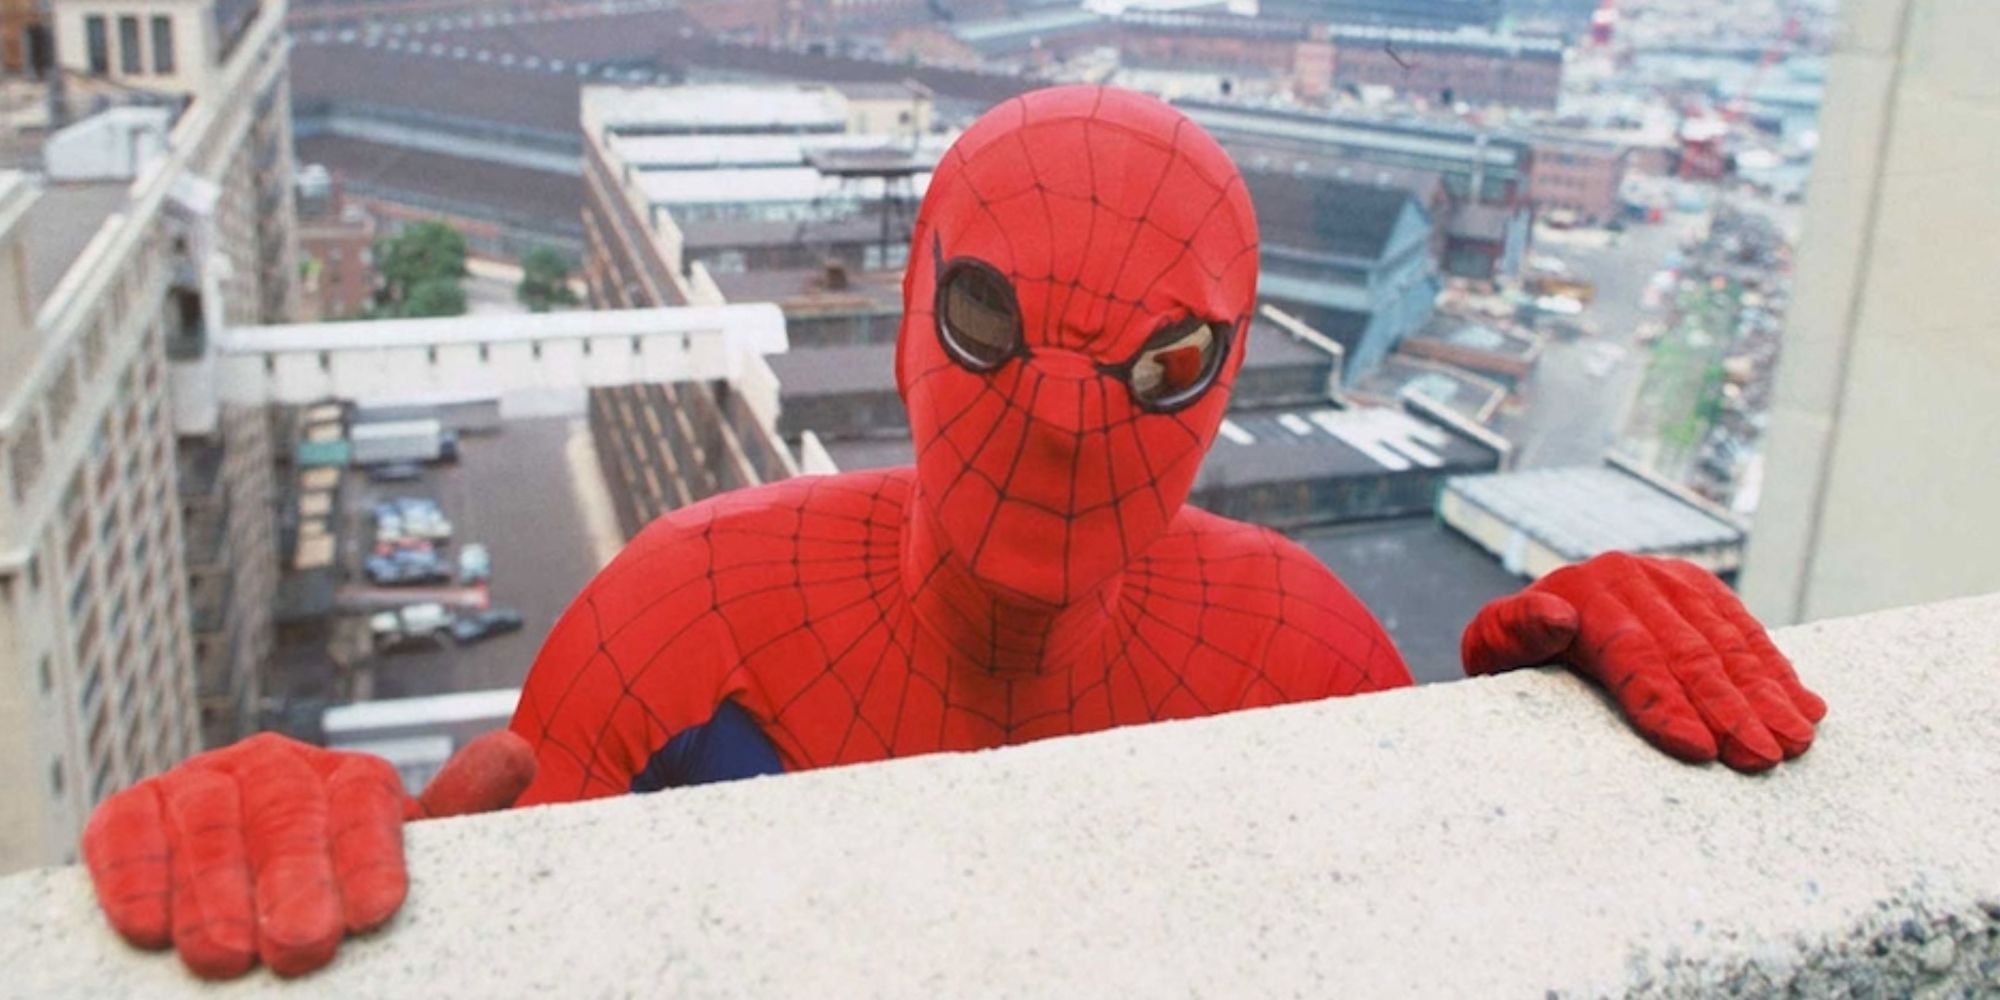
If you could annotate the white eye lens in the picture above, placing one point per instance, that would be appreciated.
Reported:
(977, 317)
(1178, 363)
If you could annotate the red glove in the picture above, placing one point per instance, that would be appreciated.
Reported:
(1693, 671)
(273, 849)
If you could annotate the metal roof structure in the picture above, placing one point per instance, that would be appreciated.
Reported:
(766, 107)
(1584, 511)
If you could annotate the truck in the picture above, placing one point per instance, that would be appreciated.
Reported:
(402, 441)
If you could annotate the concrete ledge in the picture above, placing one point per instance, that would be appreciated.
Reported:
(1501, 837)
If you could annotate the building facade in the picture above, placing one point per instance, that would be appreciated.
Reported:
(1880, 481)
(336, 248)
(1578, 176)
(109, 671)
(1473, 182)
(1351, 260)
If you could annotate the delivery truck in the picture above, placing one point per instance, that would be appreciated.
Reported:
(402, 441)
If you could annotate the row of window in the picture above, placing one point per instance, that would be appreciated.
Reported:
(131, 54)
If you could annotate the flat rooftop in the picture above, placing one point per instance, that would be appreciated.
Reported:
(1583, 511)
(549, 199)
(713, 234)
(807, 288)
(1276, 446)
(718, 107)
(60, 224)
(784, 185)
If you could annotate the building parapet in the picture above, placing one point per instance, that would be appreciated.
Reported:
(1499, 837)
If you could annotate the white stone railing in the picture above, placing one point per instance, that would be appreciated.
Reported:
(1503, 837)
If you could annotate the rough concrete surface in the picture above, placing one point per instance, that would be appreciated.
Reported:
(1495, 838)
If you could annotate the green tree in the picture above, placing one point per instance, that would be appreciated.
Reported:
(545, 280)
(436, 297)
(422, 268)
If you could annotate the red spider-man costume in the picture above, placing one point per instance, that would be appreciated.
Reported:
(1083, 270)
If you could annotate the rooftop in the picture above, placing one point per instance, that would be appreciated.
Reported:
(718, 107)
(707, 234)
(1431, 140)
(1586, 510)
(455, 88)
(1330, 443)
(549, 199)
(60, 225)
(772, 185)
(807, 288)
(1326, 215)
(1466, 839)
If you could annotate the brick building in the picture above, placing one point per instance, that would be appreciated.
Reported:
(336, 241)
(1474, 67)
(1579, 176)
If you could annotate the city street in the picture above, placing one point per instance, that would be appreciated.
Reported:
(1577, 397)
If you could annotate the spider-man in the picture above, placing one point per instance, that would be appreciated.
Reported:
(1084, 267)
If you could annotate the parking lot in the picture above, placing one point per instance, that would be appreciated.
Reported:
(510, 491)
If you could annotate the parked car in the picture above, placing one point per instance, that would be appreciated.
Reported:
(406, 567)
(426, 622)
(396, 472)
(419, 517)
(485, 625)
(475, 564)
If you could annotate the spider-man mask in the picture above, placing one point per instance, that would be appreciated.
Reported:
(1081, 278)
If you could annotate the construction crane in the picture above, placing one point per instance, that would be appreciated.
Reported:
(1702, 136)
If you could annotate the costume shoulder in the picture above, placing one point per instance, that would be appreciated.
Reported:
(651, 646)
(1322, 641)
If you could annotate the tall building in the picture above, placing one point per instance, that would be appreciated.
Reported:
(1881, 479)
(136, 552)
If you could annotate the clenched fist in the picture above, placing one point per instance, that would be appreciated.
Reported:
(274, 849)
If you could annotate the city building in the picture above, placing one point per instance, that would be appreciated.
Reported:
(477, 121)
(1468, 66)
(133, 604)
(24, 40)
(1880, 480)
(1351, 260)
(682, 183)
(1398, 13)
(797, 195)
(1537, 521)
(336, 248)
(1473, 182)
(1579, 176)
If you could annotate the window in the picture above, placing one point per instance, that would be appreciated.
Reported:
(56, 778)
(163, 45)
(99, 42)
(128, 46)
(48, 675)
